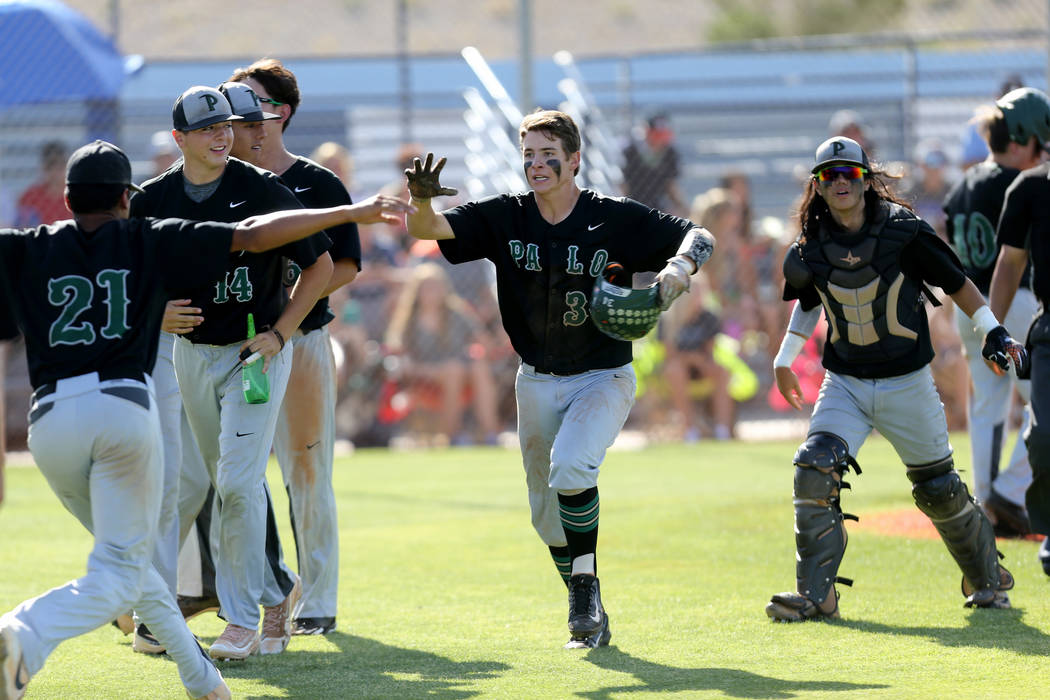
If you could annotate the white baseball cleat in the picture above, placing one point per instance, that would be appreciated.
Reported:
(277, 622)
(235, 643)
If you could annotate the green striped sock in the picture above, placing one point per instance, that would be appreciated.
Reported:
(562, 562)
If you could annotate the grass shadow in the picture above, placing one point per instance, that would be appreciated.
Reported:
(986, 629)
(363, 668)
(735, 683)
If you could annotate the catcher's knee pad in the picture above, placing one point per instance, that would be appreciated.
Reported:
(965, 529)
(820, 536)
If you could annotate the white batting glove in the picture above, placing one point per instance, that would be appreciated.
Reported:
(673, 280)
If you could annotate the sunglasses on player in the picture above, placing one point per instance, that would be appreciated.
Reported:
(270, 101)
(850, 172)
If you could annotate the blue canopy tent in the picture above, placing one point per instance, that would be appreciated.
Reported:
(51, 53)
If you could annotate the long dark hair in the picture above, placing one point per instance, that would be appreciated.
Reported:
(812, 206)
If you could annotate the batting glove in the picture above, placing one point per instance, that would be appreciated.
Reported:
(1000, 348)
(673, 280)
(423, 179)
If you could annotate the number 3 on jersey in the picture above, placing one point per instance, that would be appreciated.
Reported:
(75, 294)
(240, 287)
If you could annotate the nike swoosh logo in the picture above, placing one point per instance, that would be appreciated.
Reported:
(591, 228)
(244, 434)
(22, 676)
(237, 204)
(301, 189)
(310, 447)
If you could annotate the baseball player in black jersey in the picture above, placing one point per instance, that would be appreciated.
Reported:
(1023, 235)
(575, 385)
(208, 185)
(1015, 130)
(88, 295)
(234, 437)
(305, 439)
(867, 259)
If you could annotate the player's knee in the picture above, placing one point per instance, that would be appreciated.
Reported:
(937, 489)
(819, 464)
(822, 451)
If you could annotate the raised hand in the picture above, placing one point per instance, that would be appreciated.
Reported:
(423, 179)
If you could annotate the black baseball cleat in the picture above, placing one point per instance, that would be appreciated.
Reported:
(313, 625)
(598, 639)
(586, 614)
(1044, 555)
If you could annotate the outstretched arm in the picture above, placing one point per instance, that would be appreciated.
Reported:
(423, 184)
(267, 231)
(695, 250)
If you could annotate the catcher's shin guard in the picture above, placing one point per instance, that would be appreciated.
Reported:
(965, 529)
(820, 534)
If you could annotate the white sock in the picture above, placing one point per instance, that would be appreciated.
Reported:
(583, 564)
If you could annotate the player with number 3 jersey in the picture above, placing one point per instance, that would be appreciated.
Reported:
(575, 385)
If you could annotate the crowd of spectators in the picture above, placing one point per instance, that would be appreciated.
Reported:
(422, 354)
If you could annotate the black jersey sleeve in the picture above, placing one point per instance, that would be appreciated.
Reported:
(345, 240)
(11, 256)
(1019, 205)
(930, 259)
(190, 253)
(657, 235)
(798, 280)
(474, 225)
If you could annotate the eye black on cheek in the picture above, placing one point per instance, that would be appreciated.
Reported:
(555, 165)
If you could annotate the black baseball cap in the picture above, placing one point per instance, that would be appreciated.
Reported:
(245, 102)
(199, 107)
(99, 163)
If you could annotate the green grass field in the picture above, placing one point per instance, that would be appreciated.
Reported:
(446, 592)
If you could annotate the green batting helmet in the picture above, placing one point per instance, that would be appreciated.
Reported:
(620, 311)
(1027, 114)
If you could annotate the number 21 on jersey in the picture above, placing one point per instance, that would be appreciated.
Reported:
(75, 295)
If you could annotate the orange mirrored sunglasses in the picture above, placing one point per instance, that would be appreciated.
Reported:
(850, 172)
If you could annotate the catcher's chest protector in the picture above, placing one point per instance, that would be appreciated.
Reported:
(875, 311)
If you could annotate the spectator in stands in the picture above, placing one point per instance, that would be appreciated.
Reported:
(43, 202)
(651, 166)
(437, 343)
(931, 179)
(688, 331)
(850, 124)
(336, 158)
(162, 151)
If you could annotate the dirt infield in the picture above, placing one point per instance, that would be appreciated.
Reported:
(907, 522)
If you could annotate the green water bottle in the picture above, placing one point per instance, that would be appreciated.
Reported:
(255, 383)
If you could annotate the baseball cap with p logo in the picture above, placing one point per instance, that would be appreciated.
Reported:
(839, 150)
(199, 107)
(99, 163)
(245, 102)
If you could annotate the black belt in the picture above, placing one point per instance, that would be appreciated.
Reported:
(564, 374)
(104, 376)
